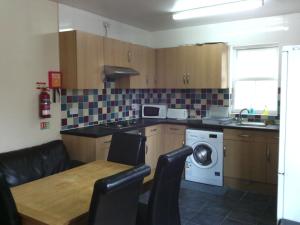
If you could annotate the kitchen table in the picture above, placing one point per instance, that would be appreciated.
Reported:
(63, 198)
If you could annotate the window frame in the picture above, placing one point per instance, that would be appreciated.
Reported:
(233, 56)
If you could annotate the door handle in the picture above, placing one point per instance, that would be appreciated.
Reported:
(244, 135)
(188, 78)
(224, 149)
(268, 154)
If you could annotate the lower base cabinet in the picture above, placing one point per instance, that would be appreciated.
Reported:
(251, 155)
(161, 139)
(174, 137)
(87, 149)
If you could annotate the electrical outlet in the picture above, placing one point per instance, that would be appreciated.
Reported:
(135, 106)
(73, 111)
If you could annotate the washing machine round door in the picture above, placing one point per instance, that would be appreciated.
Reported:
(204, 155)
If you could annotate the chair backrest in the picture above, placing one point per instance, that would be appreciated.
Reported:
(127, 149)
(8, 210)
(163, 206)
(115, 198)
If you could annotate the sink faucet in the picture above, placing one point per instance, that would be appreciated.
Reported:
(240, 115)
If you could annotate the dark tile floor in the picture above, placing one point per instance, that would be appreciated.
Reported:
(209, 205)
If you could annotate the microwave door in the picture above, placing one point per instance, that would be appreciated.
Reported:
(151, 111)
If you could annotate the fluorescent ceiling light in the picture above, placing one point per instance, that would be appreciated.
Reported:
(220, 9)
(66, 29)
(182, 5)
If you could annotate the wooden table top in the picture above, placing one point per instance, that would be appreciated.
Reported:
(63, 198)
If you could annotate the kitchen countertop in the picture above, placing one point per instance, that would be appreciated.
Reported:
(99, 131)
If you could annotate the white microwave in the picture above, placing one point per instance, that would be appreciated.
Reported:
(154, 111)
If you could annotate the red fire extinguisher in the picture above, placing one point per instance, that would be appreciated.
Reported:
(44, 101)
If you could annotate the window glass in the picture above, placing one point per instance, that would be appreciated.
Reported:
(255, 80)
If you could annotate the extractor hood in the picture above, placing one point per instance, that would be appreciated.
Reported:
(115, 72)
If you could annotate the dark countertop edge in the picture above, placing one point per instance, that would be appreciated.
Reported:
(96, 132)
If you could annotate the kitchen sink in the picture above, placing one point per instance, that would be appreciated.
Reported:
(252, 124)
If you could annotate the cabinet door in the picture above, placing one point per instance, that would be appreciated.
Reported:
(160, 75)
(196, 67)
(116, 53)
(245, 160)
(174, 137)
(102, 147)
(272, 163)
(216, 72)
(139, 63)
(81, 60)
(236, 163)
(90, 61)
(150, 68)
(80, 148)
(170, 68)
(180, 76)
(152, 154)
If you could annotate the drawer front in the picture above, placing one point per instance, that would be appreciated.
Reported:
(104, 140)
(175, 129)
(250, 135)
(153, 130)
(239, 135)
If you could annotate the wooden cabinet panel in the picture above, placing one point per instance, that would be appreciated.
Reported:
(198, 66)
(154, 145)
(272, 163)
(102, 147)
(116, 53)
(80, 148)
(251, 155)
(174, 137)
(81, 60)
(87, 149)
(236, 164)
(142, 59)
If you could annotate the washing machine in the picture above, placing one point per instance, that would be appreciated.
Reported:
(205, 165)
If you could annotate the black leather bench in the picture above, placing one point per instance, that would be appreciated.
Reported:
(29, 164)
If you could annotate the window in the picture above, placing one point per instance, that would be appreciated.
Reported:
(255, 79)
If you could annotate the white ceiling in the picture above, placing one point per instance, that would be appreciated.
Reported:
(154, 15)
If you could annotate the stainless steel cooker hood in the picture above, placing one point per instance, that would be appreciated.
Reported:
(115, 72)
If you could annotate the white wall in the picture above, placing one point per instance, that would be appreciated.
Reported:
(70, 17)
(280, 29)
(28, 49)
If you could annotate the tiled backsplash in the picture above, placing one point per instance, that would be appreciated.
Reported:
(110, 104)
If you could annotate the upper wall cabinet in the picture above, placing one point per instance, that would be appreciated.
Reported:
(140, 58)
(204, 66)
(117, 53)
(81, 60)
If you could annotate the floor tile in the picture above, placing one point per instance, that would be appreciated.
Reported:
(206, 219)
(234, 222)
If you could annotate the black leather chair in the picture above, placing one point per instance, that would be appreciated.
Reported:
(8, 210)
(127, 149)
(162, 207)
(25, 165)
(115, 198)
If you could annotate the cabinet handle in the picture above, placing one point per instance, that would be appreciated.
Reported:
(153, 130)
(174, 128)
(184, 79)
(183, 143)
(224, 151)
(107, 142)
(188, 78)
(146, 149)
(268, 154)
(129, 56)
(244, 135)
